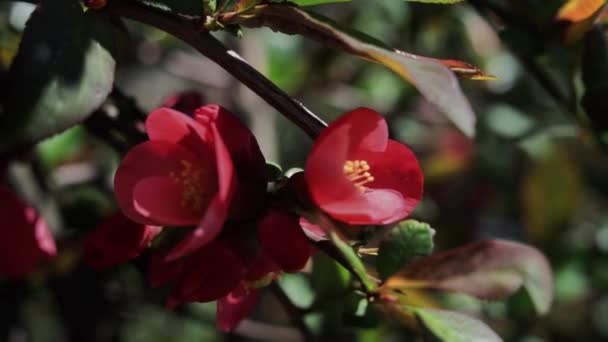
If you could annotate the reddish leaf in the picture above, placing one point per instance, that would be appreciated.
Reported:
(433, 77)
(491, 269)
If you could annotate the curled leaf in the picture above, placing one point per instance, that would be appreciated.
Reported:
(432, 77)
(490, 269)
(579, 16)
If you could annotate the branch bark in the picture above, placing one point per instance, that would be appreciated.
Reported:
(191, 31)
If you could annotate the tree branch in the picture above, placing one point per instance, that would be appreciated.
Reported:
(191, 31)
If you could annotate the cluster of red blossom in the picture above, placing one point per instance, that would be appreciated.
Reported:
(203, 171)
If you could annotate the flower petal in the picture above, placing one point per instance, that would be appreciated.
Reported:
(26, 239)
(280, 235)
(160, 271)
(147, 160)
(364, 129)
(312, 231)
(161, 199)
(392, 196)
(247, 158)
(170, 125)
(262, 265)
(215, 215)
(377, 206)
(324, 169)
(117, 240)
(359, 130)
(237, 305)
(397, 169)
(212, 272)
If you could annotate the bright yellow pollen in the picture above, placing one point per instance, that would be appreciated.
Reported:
(196, 182)
(357, 171)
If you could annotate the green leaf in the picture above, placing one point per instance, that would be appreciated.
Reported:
(407, 241)
(434, 78)
(63, 71)
(490, 269)
(450, 326)
(63, 146)
(209, 6)
(328, 277)
(274, 171)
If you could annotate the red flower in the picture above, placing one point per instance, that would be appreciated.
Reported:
(26, 239)
(281, 236)
(234, 307)
(229, 271)
(117, 240)
(185, 175)
(359, 176)
(210, 273)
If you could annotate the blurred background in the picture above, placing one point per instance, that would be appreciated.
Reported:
(531, 174)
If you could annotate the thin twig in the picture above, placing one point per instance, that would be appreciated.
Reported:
(295, 314)
(191, 31)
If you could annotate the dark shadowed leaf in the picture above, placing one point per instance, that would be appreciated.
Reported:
(189, 7)
(63, 71)
(328, 278)
(407, 241)
(450, 326)
(491, 269)
(595, 69)
(316, 2)
(434, 78)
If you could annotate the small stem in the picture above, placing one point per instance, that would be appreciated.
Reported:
(295, 313)
(191, 31)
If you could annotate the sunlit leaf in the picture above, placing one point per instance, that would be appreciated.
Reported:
(62, 72)
(450, 326)
(328, 278)
(491, 269)
(407, 241)
(434, 78)
(579, 16)
(578, 10)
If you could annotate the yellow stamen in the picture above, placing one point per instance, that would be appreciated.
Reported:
(199, 185)
(358, 172)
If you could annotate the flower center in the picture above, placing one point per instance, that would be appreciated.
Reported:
(199, 185)
(357, 171)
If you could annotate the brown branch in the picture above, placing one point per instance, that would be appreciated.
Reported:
(191, 31)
